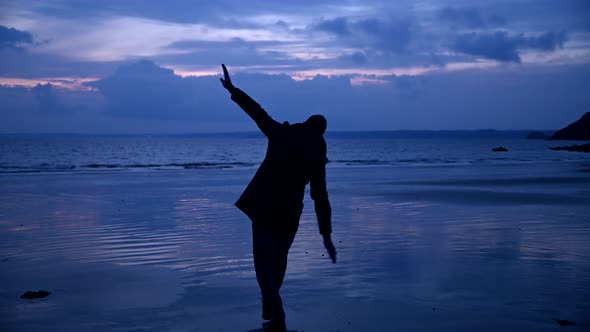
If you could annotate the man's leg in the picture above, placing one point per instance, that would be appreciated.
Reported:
(265, 250)
(285, 241)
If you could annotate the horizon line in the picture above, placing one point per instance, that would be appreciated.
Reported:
(258, 133)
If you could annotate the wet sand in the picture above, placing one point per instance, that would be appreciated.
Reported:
(457, 248)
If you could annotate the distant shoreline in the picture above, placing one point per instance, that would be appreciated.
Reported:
(474, 133)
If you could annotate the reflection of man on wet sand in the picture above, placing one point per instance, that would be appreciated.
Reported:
(273, 200)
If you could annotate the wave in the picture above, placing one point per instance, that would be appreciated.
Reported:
(380, 162)
(359, 162)
(54, 168)
(44, 167)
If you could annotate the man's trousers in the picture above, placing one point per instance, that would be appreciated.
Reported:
(271, 248)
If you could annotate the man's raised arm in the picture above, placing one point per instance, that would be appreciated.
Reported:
(266, 124)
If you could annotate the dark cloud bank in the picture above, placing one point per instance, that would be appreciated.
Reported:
(13, 38)
(501, 46)
(469, 17)
(466, 32)
(145, 98)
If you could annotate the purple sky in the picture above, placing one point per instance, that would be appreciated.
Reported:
(151, 67)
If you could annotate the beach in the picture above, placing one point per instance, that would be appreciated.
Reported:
(455, 137)
(420, 248)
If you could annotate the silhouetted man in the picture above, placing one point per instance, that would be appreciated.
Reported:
(296, 155)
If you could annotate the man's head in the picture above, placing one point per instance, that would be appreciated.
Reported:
(317, 124)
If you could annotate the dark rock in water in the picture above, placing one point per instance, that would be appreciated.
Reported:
(35, 294)
(266, 330)
(579, 130)
(537, 135)
(500, 149)
(575, 148)
(564, 322)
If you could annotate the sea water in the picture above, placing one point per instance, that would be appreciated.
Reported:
(65, 153)
(133, 232)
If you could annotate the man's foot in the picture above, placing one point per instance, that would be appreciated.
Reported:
(274, 326)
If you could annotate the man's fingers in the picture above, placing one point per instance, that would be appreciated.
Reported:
(225, 73)
(226, 80)
(331, 250)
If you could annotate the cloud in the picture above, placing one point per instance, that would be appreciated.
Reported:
(236, 51)
(147, 93)
(468, 17)
(349, 40)
(498, 46)
(496, 20)
(23, 56)
(13, 38)
(144, 90)
(390, 35)
(48, 101)
(465, 100)
(276, 36)
(145, 98)
(217, 13)
(384, 34)
(549, 41)
(358, 58)
(27, 64)
(501, 46)
(338, 26)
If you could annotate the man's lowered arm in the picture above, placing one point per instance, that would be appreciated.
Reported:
(266, 124)
(323, 210)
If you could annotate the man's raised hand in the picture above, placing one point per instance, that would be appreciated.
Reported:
(226, 80)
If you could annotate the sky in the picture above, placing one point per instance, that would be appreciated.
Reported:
(111, 66)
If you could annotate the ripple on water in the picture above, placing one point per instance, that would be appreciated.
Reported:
(192, 237)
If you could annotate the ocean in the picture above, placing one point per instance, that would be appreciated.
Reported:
(73, 153)
(434, 232)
